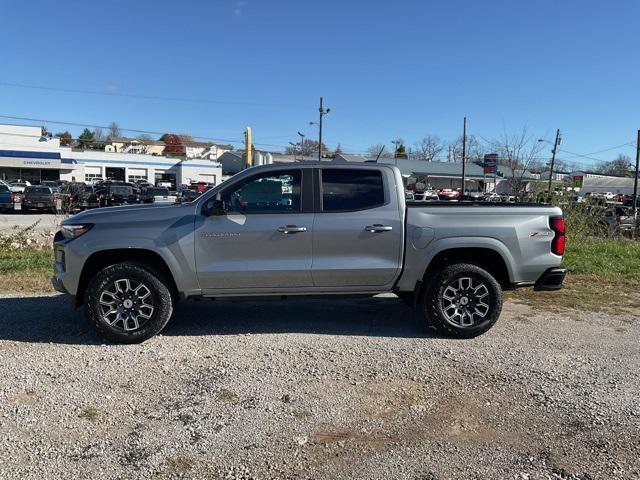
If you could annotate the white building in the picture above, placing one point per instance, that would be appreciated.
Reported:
(25, 153)
(590, 182)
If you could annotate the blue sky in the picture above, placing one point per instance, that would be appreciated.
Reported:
(386, 69)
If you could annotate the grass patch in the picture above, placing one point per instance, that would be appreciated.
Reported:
(302, 414)
(585, 292)
(178, 465)
(227, 396)
(609, 259)
(90, 413)
(26, 270)
(28, 259)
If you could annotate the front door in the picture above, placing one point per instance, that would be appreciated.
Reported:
(358, 232)
(263, 240)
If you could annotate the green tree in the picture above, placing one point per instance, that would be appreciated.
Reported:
(86, 139)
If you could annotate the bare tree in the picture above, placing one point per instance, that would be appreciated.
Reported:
(309, 150)
(518, 152)
(99, 138)
(144, 137)
(429, 148)
(114, 130)
(374, 150)
(621, 166)
(475, 150)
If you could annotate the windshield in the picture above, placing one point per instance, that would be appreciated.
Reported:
(37, 190)
(157, 191)
(122, 190)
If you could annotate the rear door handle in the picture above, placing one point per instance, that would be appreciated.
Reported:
(376, 227)
(292, 229)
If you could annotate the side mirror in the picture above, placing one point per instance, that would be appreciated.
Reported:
(213, 208)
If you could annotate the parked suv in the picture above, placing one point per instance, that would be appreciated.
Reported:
(38, 198)
(156, 195)
(116, 194)
(78, 196)
(6, 198)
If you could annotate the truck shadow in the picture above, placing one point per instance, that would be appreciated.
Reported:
(52, 319)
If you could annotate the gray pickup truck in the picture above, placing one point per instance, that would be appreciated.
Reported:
(312, 229)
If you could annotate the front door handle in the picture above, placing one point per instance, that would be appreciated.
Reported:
(292, 229)
(376, 227)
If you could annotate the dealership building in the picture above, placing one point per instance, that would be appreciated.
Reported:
(27, 154)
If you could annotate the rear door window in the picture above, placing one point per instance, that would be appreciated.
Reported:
(348, 190)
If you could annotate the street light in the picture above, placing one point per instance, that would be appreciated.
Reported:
(295, 150)
(301, 144)
(395, 150)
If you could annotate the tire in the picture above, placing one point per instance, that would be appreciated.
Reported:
(463, 282)
(132, 285)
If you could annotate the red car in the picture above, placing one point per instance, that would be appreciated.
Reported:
(448, 194)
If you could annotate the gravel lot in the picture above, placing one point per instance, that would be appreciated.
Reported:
(312, 389)
(48, 222)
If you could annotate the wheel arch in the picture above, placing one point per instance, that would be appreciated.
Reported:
(139, 256)
(484, 257)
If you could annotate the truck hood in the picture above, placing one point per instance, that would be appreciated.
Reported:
(109, 214)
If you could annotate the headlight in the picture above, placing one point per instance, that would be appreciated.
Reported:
(74, 231)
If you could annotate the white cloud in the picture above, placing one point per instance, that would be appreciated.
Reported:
(237, 11)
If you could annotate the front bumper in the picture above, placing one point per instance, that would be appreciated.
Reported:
(57, 285)
(551, 279)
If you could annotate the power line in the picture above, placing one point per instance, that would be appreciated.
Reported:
(148, 132)
(148, 97)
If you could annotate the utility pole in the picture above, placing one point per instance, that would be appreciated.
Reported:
(464, 153)
(553, 158)
(249, 144)
(323, 112)
(635, 189)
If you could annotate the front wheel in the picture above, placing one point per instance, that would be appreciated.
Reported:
(128, 303)
(462, 300)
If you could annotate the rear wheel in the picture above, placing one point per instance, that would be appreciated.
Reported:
(128, 303)
(462, 300)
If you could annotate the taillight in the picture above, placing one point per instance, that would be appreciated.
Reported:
(11, 197)
(560, 239)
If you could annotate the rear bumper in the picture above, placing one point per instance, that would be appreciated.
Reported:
(551, 279)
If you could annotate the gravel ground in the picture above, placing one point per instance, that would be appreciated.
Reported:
(316, 389)
(48, 222)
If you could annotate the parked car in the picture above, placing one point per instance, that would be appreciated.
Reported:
(492, 197)
(448, 194)
(618, 220)
(6, 198)
(427, 195)
(53, 184)
(38, 198)
(156, 195)
(186, 196)
(78, 196)
(201, 186)
(18, 186)
(269, 231)
(116, 194)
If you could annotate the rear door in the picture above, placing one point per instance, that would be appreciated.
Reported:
(263, 239)
(358, 230)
